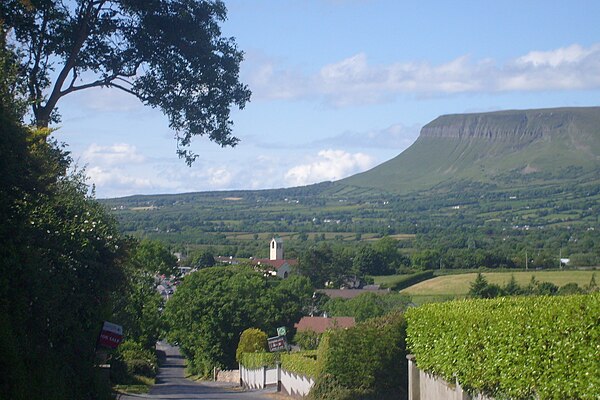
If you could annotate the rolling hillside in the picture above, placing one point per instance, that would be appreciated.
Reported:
(498, 149)
(491, 184)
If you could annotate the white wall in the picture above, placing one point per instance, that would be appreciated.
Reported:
(295, 385)
(292, 384)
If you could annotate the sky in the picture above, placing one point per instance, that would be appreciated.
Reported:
(341, 86)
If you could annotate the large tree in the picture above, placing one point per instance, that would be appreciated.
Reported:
(213, 306)
(170, 54)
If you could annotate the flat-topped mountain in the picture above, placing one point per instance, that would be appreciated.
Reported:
(503, 149)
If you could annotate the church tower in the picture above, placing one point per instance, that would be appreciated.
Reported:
(276, 249)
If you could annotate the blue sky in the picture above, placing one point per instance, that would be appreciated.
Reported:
(340, 86)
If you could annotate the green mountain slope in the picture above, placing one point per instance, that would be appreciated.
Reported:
(517, 148)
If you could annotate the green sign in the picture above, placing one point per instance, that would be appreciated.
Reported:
(281, 331)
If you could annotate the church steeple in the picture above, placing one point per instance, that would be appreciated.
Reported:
(276, 249)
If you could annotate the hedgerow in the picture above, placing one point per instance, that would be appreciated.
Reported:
(367, 361)
(258, 360)
(301, 363)
(518, 348)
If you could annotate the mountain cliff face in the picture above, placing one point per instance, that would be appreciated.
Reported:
(505, 148)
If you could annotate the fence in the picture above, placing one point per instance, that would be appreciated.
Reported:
(287, 382)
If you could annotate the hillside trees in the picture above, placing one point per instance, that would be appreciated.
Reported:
(168, 53)
(213, 306)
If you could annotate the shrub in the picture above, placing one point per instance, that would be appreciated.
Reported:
(364, 362)
(301, 362)
(132, 359)
(258, 360)
(307, 340)
(523, 347)
(252, 340)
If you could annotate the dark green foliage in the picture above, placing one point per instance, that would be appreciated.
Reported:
(408, 280)
(364, 362)
(252, 340)
(170, 54)
(307, 340)
(137, 308)
(152, 256)
(519, 348)
(131, 360)
(325, 265)
(61, 262)
(482, 289)
(212, 307)
(367, 305)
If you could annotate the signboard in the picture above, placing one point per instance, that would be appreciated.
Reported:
(111, 335)
(278, 343)
(281, 331)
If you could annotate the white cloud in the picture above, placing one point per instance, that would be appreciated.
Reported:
(328, 165)
(566, 55)
(354, 80)
(119, 153)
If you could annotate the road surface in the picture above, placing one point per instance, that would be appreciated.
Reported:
(171, 384)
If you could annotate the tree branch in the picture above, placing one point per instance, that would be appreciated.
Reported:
(88, 15)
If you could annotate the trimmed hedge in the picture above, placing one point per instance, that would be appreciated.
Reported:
(301, 363)
(367, 361)
(252, 340)
(518, 348)
(258, 360)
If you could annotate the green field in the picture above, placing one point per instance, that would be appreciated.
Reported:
(457, 286)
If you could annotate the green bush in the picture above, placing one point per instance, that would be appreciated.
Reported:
(364, 362)
(252, 340)
(307, 340)
(301, 363)
(519, 348)
(258, 360)
(132, 359)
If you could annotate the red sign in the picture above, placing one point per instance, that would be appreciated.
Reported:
(278, 343)
(111, 335)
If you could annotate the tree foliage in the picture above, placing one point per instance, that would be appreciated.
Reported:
(367, 305)
(61, 262)
(213, 306)
(153, 257)
(170, 54)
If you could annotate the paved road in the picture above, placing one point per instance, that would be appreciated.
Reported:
(171, 384)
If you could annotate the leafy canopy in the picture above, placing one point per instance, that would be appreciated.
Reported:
(168, 53)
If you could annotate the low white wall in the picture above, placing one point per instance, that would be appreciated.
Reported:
(257, 378)
(288, 382)
(424, 386)
(295, 385)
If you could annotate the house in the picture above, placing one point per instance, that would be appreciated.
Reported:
(321, 324)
